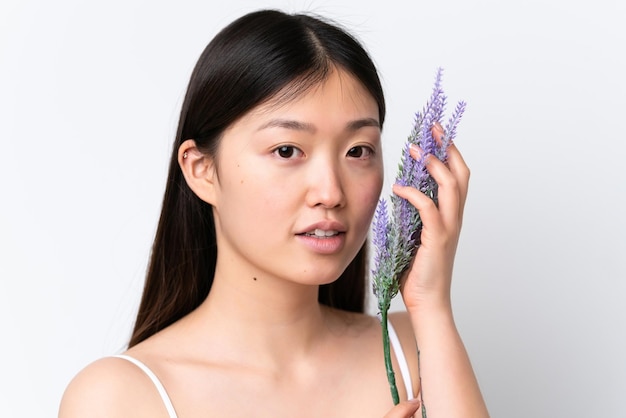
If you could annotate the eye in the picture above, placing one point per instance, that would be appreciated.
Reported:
(360, 152)
(287, 152)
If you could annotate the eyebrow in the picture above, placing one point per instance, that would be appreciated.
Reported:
(308, 127)
(363, 123)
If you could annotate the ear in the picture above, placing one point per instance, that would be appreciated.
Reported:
(198, 170)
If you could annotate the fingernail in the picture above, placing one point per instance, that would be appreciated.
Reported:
(438, 127)
(419, 154)
(417, 151)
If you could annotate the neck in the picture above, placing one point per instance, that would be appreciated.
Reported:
(270, 320)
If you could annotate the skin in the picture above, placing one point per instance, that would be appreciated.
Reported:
(260, 344)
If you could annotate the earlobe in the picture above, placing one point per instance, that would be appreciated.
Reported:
(198, 170)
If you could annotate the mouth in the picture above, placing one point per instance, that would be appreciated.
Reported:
(323, 241)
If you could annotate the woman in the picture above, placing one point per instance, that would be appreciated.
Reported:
(254, 298)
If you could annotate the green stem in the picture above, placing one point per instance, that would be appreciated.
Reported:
(387, 352)
(419, 371)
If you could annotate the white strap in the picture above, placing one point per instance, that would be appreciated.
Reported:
(402, 362)
(157, 383)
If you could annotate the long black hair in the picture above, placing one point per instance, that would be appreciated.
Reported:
(253, 59)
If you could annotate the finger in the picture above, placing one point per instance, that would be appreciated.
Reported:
(448, 194)
(461, 172)
(450, 205)
(429, 213)
(404, 409)
(455, 162)
(437, 132)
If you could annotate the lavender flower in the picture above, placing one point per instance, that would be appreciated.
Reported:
(396, 236)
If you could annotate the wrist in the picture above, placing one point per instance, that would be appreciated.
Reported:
(432, 316)
(437, 303)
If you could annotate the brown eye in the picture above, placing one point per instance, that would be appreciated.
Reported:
(287, 151)
(359, 152)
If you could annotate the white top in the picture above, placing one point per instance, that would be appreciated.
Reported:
(402, 362)
(393, 338)
(157, 383)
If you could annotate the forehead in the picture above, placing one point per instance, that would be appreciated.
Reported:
(338, 91)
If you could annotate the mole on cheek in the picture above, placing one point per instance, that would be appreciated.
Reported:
(254, 278)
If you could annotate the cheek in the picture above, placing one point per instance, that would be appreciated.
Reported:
(367, 194)
(255, 190)
(237, 191)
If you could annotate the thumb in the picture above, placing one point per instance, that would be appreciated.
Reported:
(404, 409)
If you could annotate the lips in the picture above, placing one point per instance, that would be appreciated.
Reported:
(326, 237)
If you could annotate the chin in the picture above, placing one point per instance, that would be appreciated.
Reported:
(315, 274)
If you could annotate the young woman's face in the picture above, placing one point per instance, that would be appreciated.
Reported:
(298, 182)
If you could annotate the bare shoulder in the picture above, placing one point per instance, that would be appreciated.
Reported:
(111, 387)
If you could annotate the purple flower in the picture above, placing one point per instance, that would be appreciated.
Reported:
(396, 232)
(396, 235)
(381, 229)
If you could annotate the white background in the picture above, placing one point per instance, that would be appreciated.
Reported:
(89, 96)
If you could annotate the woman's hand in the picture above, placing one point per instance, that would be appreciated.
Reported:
(450, 386)
(428, 278)
(404, 409)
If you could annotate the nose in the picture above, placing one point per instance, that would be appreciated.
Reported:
(325, 186)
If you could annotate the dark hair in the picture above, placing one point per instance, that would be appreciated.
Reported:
(254, 59)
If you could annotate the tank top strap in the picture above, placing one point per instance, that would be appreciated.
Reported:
(155, 380)
(402, 361)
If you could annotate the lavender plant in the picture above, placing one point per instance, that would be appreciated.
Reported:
(396, 230)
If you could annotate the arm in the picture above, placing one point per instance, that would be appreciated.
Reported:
(449, 386)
